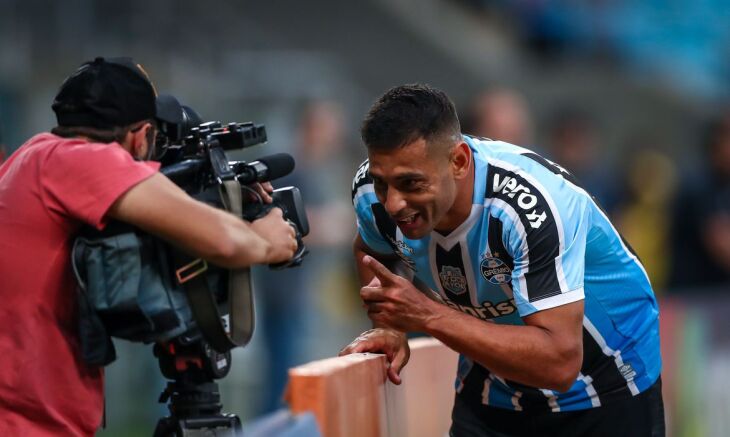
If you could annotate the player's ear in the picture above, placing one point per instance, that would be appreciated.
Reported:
(460, 160)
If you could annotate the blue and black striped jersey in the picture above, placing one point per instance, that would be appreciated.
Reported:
(534, 240)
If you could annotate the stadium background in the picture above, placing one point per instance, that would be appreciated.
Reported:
(620, 92)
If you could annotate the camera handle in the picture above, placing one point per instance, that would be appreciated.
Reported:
(289, 201)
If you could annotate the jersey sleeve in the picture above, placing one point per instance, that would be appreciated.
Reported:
(369, 212)
(83, 180)
(545, 228)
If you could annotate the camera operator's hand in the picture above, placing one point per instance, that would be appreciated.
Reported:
(264, 190)
(279, 234)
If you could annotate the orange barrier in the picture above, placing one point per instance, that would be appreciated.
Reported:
(351, 396)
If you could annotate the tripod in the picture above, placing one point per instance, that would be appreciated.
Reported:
(194, 400)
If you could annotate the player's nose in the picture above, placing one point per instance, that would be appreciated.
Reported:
(394, 202)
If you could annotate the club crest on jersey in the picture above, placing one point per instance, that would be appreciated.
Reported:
(495, 270)
(452, 279)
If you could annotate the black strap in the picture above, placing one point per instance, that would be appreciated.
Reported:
(241, 305)
(221, 333)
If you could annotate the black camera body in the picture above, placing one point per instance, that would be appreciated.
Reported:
(199, 165)
(136, 287)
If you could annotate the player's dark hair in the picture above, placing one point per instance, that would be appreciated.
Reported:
(409, 112)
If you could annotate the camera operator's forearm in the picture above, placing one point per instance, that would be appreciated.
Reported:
(246, 246)
(158, 206)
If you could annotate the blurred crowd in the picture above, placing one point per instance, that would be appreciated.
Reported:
(309, 312)
(677, 219)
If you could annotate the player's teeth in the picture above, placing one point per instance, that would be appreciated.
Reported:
(407, 220)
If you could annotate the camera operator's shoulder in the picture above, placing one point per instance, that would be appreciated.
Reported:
(46, 144)
(76, 153)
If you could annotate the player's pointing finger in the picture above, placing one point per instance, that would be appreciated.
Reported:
(380, 271)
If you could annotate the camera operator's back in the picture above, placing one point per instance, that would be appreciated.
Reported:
(48, 189)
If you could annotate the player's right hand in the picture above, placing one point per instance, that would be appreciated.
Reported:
(280, 235)
(390, 342)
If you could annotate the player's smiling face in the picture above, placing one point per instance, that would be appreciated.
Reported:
(416, 185)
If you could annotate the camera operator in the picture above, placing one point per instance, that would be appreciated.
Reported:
(87, 171)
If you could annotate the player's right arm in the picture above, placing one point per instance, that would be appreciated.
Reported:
(158, 206)
(360, 249)
(369, 241)
(391, 342)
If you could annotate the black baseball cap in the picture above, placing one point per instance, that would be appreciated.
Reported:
(112, 92)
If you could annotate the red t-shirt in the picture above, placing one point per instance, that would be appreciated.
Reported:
(49, 188)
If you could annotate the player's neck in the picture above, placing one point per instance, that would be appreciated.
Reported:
(461, 209)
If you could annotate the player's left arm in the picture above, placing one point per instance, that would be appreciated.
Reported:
(546, 352)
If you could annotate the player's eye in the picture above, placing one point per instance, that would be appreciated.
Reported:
(379, 184)
(412, 185)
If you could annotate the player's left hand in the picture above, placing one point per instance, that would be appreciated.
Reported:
(393, 302)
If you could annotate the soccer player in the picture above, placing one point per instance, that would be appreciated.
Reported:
(508, 261)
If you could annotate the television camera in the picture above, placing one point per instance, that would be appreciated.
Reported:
(193, 312)
(194, 157)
